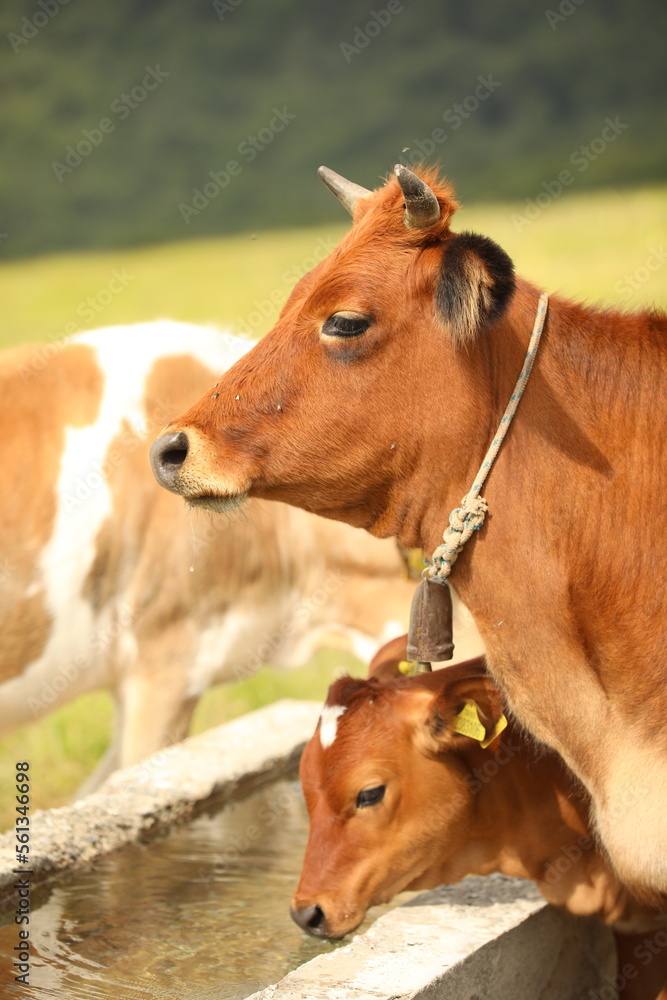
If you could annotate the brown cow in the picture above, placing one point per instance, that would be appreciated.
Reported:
(399, 799)
(106, 581)
(373, 401)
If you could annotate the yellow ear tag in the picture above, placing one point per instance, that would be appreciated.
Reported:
(467, 723)
(407, 667)
(500, 725)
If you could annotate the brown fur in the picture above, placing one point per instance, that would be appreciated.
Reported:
(387, 430)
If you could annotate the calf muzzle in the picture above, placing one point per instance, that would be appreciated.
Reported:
(310, 919)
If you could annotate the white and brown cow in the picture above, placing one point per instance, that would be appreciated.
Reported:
(108, 581)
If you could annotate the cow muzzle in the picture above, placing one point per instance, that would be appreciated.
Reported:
(168, 454)
(181, 464)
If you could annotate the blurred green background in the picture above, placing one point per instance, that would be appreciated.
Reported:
(363, 97)
(363, 80)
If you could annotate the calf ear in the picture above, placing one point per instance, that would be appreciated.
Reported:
(475, 285)
(465, 708)
(386, 664)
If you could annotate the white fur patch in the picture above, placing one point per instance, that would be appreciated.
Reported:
(329, 723)
(79, 654)
(365, 647)
(127, 354)
(226, 648)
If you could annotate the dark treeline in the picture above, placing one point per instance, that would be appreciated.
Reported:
(145, 120)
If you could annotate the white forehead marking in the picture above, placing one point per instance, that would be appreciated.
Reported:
(329, 723)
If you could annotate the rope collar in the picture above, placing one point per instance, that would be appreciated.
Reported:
(469, 516)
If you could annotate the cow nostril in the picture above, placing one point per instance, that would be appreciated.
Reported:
(317, 918)
(310, 919)
(174, 456)
(168, 454)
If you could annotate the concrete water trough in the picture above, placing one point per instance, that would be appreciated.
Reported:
(108, 919)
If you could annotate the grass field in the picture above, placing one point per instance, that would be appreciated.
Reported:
(605, 247)
(584, 245)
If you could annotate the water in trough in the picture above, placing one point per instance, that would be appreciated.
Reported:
(200, 914)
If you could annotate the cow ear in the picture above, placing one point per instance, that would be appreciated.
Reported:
(465, 709)
(475, 285)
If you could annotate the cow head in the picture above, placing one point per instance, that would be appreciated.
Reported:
(335, 406)
(386, 779)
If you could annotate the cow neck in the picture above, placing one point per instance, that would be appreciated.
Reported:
(469, 516)
(531, 816)
(430, 636)
(508, 827)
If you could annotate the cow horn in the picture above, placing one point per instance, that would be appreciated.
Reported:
(346, 191)
(421, 205)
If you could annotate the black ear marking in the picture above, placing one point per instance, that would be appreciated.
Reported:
(475, 285)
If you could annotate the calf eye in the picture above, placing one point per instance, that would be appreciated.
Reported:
(345, 324)
(370, 796)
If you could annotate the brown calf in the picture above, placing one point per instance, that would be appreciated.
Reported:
(399, 799)
(373, 401)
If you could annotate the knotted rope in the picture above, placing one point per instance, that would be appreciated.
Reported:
(469, 516)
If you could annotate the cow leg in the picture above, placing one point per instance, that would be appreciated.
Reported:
(155, 715)
(104, 767)
(642, 965)
(109, 761)
(155, 690)
(146, 720)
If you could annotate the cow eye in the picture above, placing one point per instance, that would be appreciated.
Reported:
(345, 324)
(370, 796)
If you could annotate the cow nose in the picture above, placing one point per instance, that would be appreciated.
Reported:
(310, 919)
(167, 456)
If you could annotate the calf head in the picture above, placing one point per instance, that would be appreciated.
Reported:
(386, 779)
(321, 412)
